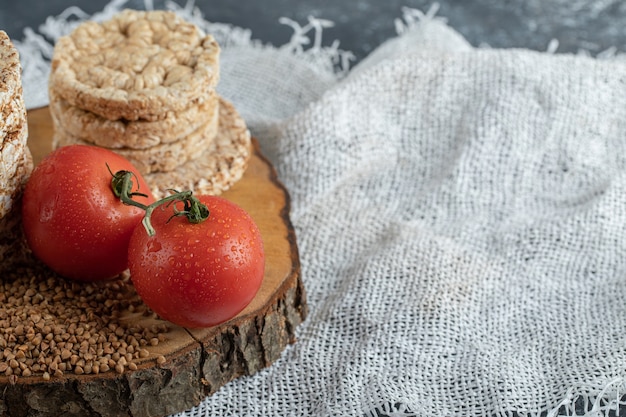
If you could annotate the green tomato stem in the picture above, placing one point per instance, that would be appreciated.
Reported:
(193, 209)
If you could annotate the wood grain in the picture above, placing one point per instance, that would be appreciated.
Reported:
(200, 361)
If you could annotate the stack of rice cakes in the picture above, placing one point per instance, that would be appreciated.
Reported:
(143, 85)
(16, 162)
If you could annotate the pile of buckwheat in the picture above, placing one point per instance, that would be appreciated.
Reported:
(50, 326)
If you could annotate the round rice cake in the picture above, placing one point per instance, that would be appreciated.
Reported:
(11, 189)
(139, 134)
(12, 113)
(12, 148)
(10, 70)
(13, 124)
(164, 157)
(218, 168)
(13, 247)
(137, 65)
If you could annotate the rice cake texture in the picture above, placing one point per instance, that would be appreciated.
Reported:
(16, 161)
(139, 134)
(142, 72)
(216, 169)
(164, 157)
(13, 247)
(13, 146)
(137, 65)
(12, 114)
(13, 124)
(10, 70)
(14, 154)
(11, 190)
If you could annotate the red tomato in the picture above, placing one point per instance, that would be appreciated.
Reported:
(72, 220)
(198, 275)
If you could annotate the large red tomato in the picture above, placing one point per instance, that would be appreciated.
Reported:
(72, 220)
(198, 275)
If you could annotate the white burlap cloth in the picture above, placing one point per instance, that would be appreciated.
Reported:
(461, 220)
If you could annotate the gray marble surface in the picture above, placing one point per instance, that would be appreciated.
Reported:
(361, 25)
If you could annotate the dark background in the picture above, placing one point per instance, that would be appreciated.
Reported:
(361, 25)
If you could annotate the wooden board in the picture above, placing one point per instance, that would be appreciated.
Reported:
(197, 362)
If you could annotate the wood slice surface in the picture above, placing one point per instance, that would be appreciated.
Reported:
(187, 365)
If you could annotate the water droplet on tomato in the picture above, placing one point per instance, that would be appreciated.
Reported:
(192, 241)
(226, 258)
(154, 246)
(47, 210)
(114, 217)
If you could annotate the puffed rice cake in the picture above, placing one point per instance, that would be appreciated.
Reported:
(163, 157)
(216, 169)
(13, 247)
(138, 65)
(112, 83)
(13, 125)
(16, 161)
(123, 134)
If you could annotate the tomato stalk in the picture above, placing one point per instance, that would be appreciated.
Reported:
(193, 209)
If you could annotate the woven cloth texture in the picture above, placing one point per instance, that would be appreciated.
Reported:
(461, 218)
